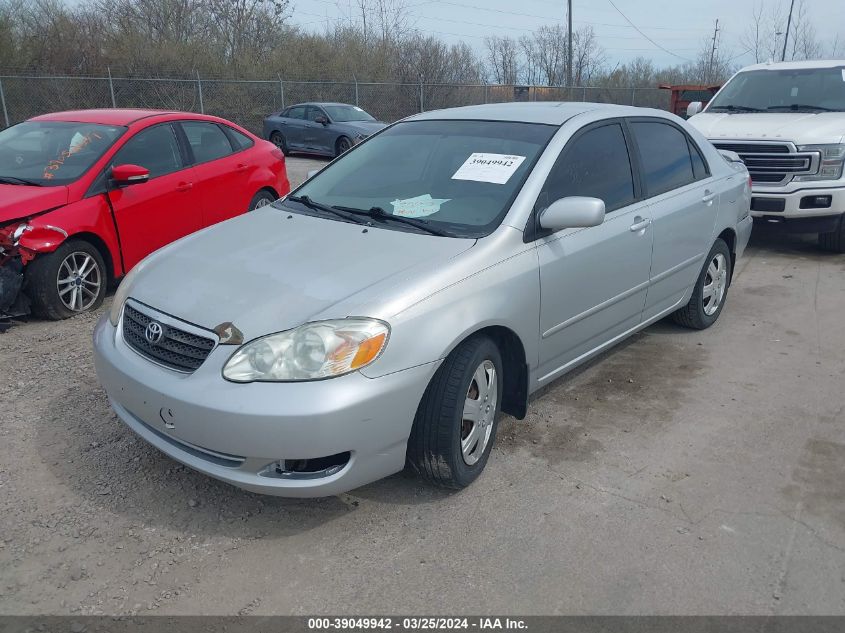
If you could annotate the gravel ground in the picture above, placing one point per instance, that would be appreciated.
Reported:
(682, 472)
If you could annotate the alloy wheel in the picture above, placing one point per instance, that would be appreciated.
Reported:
(715, 284)
(479, 412)
(78, 281)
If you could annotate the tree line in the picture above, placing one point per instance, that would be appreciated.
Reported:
(375, 41)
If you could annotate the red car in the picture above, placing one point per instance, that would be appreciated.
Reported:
(85, 195)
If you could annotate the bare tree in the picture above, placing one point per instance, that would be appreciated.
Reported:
(502, 59)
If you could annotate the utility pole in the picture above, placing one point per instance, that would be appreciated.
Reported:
(709, 78)
(786, 35)
(569, 44)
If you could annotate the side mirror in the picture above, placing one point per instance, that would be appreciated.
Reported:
(694, 108)
(312, 173)
(572, 212)
(124, 175)
(321, 120)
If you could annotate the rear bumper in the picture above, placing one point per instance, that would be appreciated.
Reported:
(234, 432)
(743, 234)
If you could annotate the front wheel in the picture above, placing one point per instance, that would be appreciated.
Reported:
(456, 422)
(343, 145)
(70, 280)
(835, 240)
(710, 292)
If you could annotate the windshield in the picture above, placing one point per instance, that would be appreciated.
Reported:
(53, 152)
(343, 113)
(458, 177)
(804, 89)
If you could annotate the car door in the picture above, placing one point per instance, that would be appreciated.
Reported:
(683, 203)
(220, 172)
(163, 209)
(317, 135)
(593, 280)
(294, 127)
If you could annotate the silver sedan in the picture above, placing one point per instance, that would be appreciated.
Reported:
(387, 311)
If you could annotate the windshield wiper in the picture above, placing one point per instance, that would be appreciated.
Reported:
(734, 108)
(797, 107)
(316, 206)
(377, 213)
(11, 180)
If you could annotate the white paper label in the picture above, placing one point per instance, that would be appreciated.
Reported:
(418, 207)
(843, 74)
(495, 168)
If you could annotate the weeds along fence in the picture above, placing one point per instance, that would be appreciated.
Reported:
(247, 102)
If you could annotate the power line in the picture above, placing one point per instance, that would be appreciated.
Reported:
(634, 26)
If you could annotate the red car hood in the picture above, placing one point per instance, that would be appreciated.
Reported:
(20, 201)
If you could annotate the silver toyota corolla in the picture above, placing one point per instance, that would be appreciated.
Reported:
(390, 308)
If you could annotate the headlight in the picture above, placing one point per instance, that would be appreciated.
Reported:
(830, 165)
(120, 296)
(322, 349)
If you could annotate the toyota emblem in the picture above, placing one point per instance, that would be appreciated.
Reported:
(154, 332)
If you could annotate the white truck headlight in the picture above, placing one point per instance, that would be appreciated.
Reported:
(322, 349)
(830, 165)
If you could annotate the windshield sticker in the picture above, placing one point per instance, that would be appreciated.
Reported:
(843, 74)
(418, 207)
(495, 168)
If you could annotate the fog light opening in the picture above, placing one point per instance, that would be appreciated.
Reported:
(314, 468)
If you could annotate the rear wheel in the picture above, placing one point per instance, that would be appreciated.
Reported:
(456, 422)
(835, 240)
(278, 139)
(261, 199)
(70, 280)
(343, 144)
(710, 292)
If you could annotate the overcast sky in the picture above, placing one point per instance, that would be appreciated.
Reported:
(677, 25)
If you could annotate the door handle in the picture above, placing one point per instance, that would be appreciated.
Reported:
(241, 167)
(640, 224)
(184, 186)
(708, 196)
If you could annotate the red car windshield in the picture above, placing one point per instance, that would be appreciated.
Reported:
(49, 153)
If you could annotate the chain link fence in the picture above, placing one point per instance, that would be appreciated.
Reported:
(247, 102)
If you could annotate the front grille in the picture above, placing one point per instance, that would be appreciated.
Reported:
(772, 163)
(177, 349)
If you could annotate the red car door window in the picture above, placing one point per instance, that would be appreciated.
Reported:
(208, 142)
(152, 214)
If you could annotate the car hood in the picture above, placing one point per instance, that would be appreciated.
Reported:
(21, 201)
(798, 127)
(270, 270)
(364, 127)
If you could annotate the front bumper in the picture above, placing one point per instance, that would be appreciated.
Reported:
(762, 199)
(233, 432)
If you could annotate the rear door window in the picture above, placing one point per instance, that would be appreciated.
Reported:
(297, 112)
(664, 155)
(207, 140)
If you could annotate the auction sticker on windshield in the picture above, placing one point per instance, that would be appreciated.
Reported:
(418, 207)
(495, 168)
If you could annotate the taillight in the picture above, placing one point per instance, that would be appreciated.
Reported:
(277, 153)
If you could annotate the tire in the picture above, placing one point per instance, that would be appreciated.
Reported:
(835, 240)
(278, 139)
(343, 144)
(54, 300)
(436, 450)
(699, 313)
(261, 199)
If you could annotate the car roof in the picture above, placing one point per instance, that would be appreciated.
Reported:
(322, 103)
(547, 112)
(106, 116)
(814, 63)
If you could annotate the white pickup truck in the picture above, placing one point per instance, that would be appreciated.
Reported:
(786, 121)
